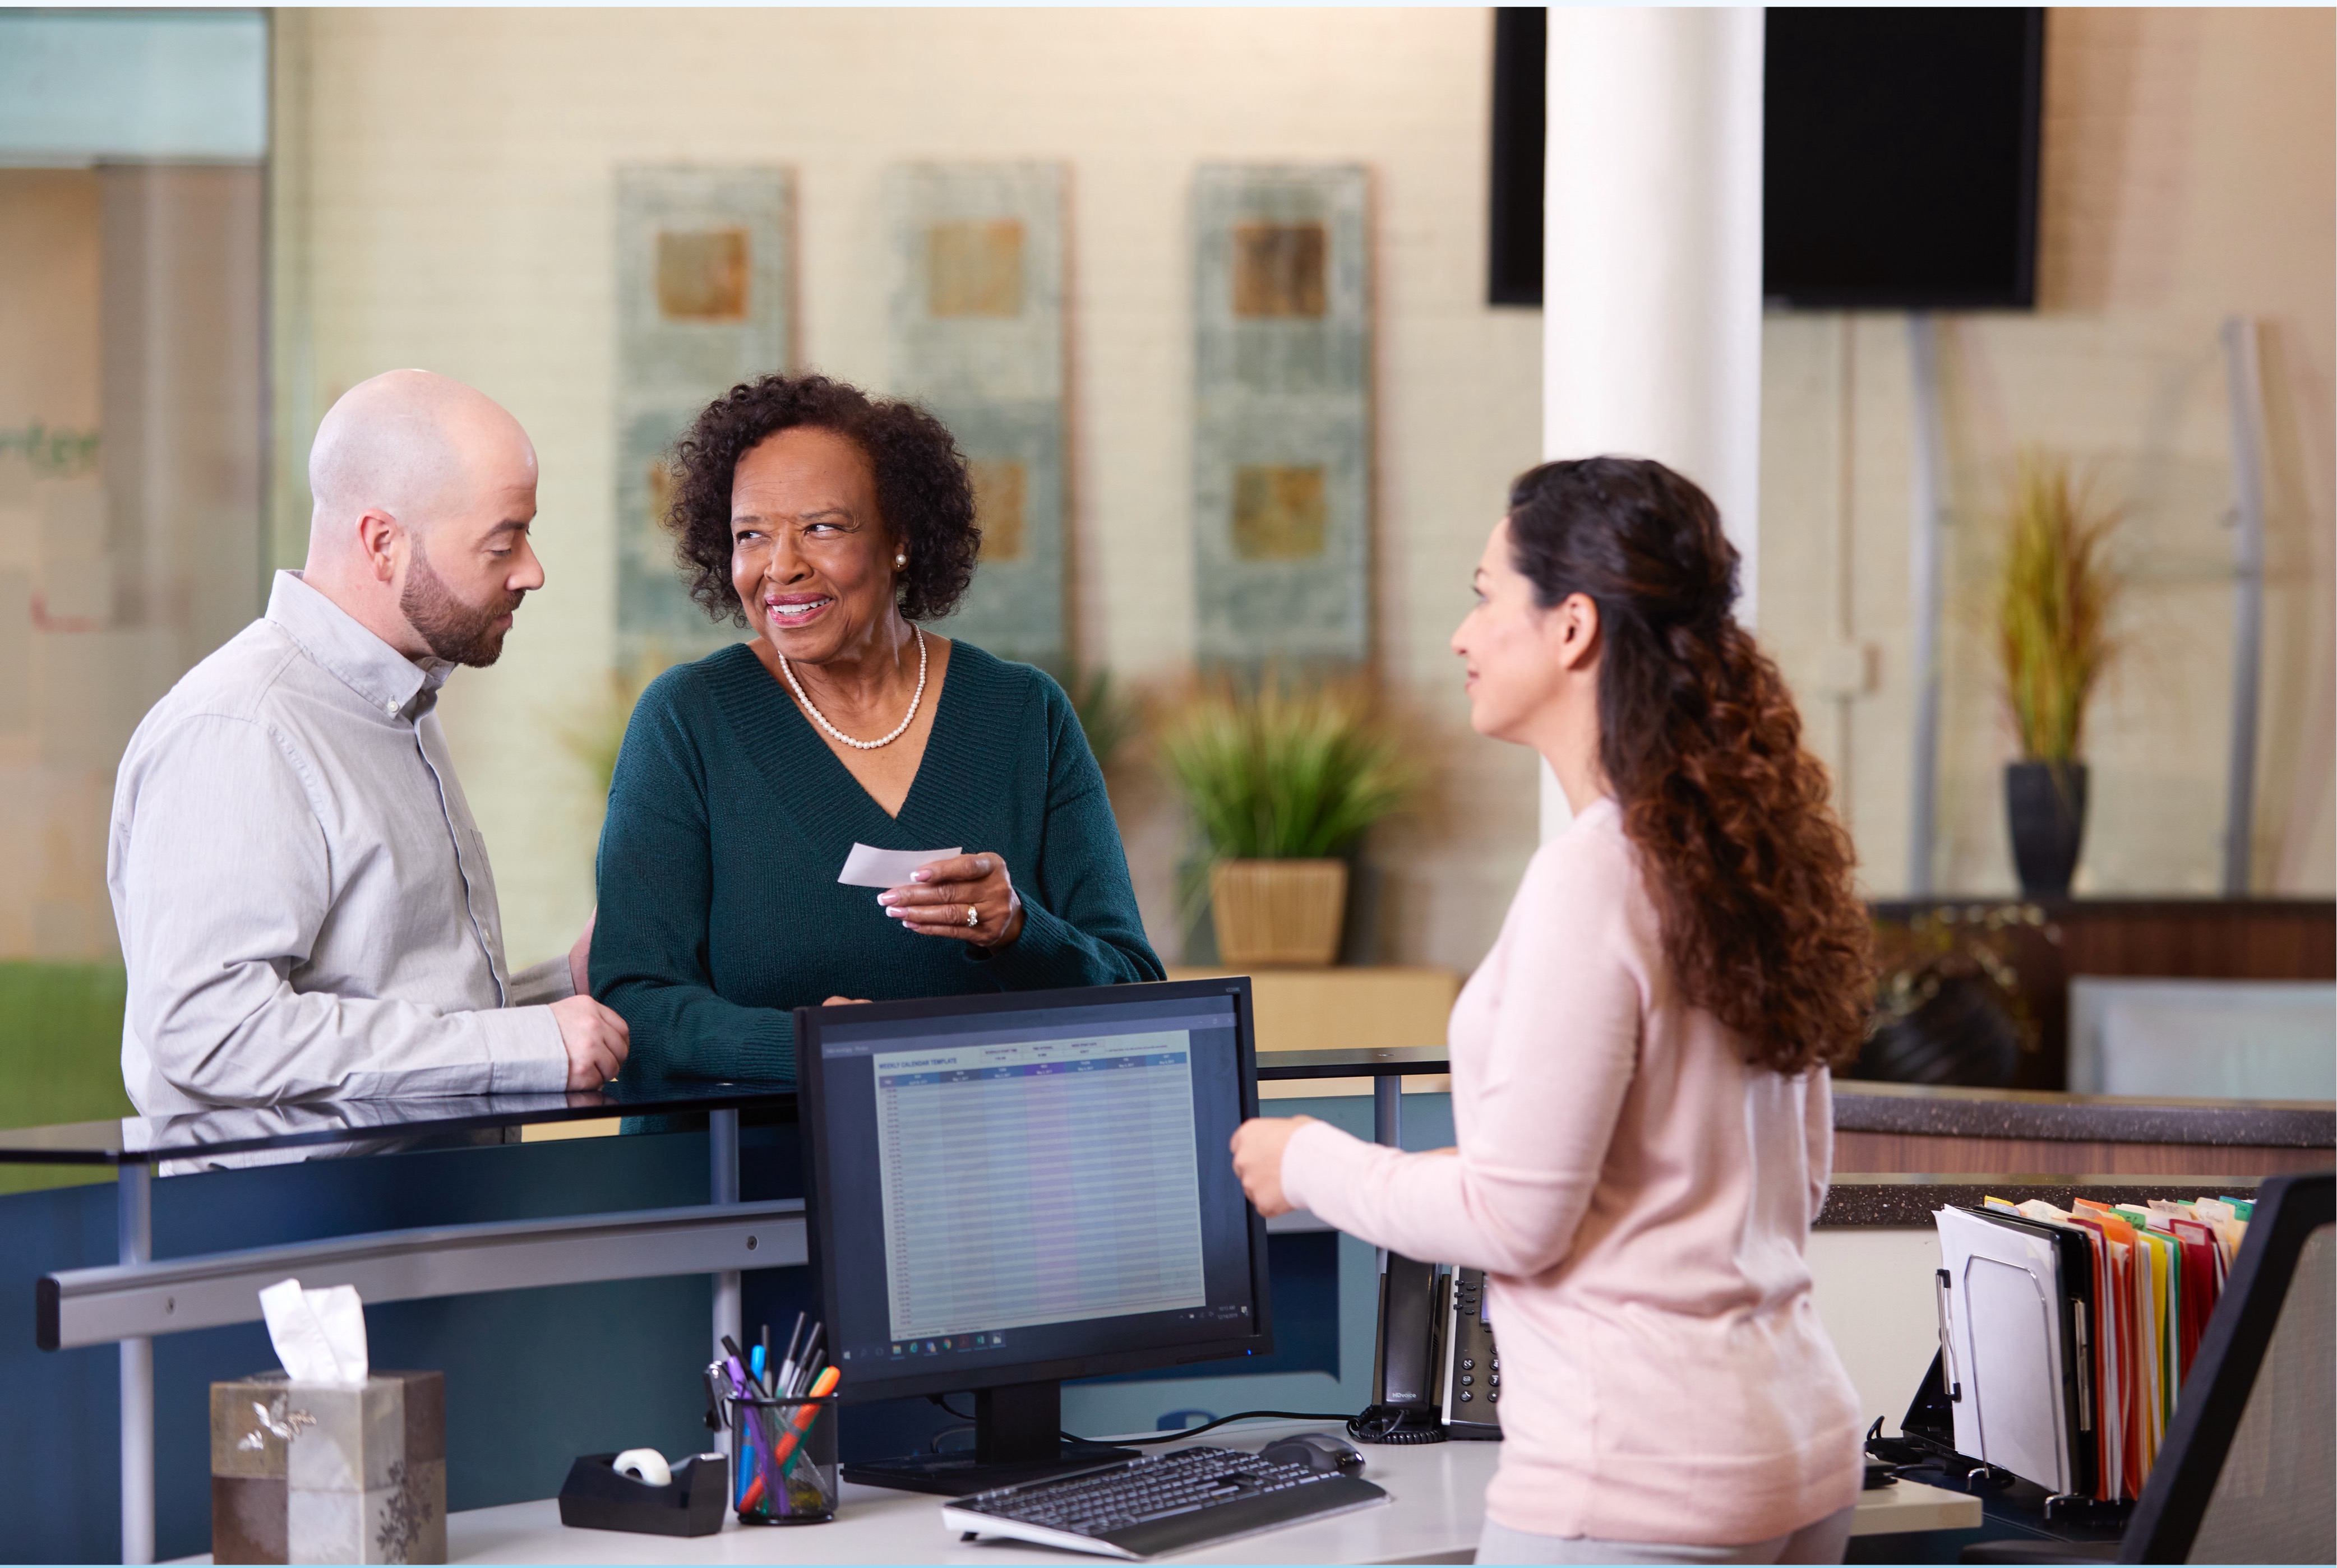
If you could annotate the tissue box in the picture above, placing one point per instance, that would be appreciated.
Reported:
(330, 1472)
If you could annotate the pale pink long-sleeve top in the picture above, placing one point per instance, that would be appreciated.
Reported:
(1640, 1199)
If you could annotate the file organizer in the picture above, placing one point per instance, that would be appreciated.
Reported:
(2064, 1335)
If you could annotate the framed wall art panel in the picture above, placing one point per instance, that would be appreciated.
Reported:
(705, 301)
(975, 334)
(1282, 457)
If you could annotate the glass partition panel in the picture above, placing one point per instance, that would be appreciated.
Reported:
(132, 451)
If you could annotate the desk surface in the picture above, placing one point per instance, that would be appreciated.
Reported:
(1435, 1513)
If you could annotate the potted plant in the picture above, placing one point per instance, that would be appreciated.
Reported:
(1949, 1007)
(1281, 784)
(1108, 717)
(2055, 592)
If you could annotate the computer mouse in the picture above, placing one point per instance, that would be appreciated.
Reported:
(1316, 1451)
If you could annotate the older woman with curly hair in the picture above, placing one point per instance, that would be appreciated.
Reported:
(1639, 1083)
(835, 524)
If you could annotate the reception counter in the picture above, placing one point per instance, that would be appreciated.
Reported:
(464, 1213)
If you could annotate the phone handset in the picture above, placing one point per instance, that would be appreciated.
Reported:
(1408, 1358)
(1436, 1372)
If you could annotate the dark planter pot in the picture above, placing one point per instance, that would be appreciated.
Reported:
(2045, 804)
(1961, 1035)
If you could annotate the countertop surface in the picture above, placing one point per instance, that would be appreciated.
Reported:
(1859, 1107)
(1908, 1202)
(1436, 1510)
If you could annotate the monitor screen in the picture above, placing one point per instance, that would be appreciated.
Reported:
(1031, 1187)
(1900, 161)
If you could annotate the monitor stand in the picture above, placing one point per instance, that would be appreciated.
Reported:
(1018, 1438)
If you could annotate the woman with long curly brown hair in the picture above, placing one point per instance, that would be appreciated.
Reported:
(1639, 1067)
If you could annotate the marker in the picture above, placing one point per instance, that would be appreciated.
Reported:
(787, 1373)
(800, 1422)
(737, 1374)
(795, 1338)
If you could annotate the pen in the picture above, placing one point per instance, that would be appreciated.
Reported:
(810, 1347)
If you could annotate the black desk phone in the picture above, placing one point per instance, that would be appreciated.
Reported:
(1436, 1372)
(1473, 1363)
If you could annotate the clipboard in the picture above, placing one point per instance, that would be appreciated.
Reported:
(2015, 1298)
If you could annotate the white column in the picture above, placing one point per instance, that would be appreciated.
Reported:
(1651, 279)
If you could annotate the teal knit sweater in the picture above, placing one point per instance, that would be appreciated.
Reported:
(730, 818)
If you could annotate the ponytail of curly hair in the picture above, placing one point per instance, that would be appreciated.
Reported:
(1702, 748)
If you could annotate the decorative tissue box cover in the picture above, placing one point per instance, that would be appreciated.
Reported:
(324, 1473)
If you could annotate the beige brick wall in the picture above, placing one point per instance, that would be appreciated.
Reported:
(450, 206)
(2188, 175)
(445, 200)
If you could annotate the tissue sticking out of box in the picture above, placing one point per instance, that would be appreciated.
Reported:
(319, 1335)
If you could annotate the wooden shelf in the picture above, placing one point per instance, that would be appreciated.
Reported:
(1346, 1008)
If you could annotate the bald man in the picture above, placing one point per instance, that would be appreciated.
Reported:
(305, 903)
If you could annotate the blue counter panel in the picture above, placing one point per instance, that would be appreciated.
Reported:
(533, 1378)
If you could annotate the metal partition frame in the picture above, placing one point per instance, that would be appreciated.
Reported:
(2243, 385)
(135, 1301)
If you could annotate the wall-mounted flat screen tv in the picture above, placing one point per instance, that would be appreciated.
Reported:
(1899, 158)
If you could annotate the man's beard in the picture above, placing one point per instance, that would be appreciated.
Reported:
(456, 632)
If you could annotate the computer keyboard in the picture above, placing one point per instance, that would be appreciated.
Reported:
(1162, 1503)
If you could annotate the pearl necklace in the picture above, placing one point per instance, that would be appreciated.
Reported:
(821, 719)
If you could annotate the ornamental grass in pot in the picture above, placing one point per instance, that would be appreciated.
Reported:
(2055, 591)
(1282, 784)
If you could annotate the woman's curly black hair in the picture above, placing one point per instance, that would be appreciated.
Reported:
(921, 486)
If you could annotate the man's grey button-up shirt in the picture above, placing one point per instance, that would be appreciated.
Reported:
(304, 902)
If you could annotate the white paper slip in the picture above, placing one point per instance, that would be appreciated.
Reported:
(874, 868)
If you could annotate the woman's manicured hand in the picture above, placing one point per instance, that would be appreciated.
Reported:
(947, 892)
(1257, 1148)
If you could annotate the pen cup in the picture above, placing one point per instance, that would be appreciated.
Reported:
(785, 1469)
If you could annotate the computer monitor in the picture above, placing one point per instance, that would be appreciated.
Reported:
(1008, 1191)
